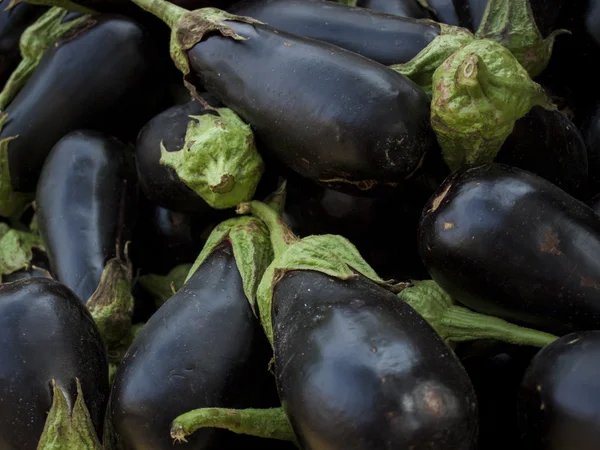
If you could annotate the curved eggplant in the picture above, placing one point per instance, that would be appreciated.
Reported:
(559, 407)
(13, 22)
(86, 204)
(402, 8)
(355, 367)
(89, 94)
(47, 337)
(189, 156)
(203, 347)
(548, 144)
(510, 244)
(355, 126)
(380, 37)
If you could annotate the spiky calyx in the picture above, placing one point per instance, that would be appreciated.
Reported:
(16, 249)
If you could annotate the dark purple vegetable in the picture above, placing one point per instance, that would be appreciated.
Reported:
(86, 206)
(189, 157)
(355, 367)
(12, 24)
(591, 129)
(444, 11)
(510, 244)
(548, 144)
(203, 348)
(355, 125)
(47, 334)
(76, 77)
(402, 8)
(380, 37)
(559, 407)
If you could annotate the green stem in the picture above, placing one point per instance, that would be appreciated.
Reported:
(265, 423)
(164, 10)
(66, 4)
(468, 74)
(281, 235)
(458, 324)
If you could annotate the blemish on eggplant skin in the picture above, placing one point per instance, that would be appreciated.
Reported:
(448, 225)
(550, 243)
(435, 204)
(589, 283)
(573, 341)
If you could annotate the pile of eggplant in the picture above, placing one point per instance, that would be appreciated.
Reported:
(279, 224)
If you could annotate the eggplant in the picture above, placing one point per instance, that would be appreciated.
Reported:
(402, 8)
(510, 244)
(381, 37)
(86, 205)
(357, 126)
(355, 367)
(591, 129)
(13, 22)
(88, 94)
(558, 398)
(444, 11)
(50, 348)
(203, 347)
(190, 156)
(548, 144)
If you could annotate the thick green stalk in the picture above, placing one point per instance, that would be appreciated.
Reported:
(164, 10)
(265, 423)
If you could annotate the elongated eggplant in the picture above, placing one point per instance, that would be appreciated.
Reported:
(13, 22)
(189, 156)
(355, 367)
(559, 405)
(357, 126)
(86, 202)
(402, 8)
(203, 347)
(508, 243)
(381, 37)
(548, 144)
(88, 95)
(50, 348)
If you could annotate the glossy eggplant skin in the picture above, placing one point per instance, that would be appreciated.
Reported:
(559, 399)
(330, 115)
(383, 38)
(548, 144)
(510, 244)
(86, 202)
(12, 24)
(46, 334)
(158, 182)
(444, 11)
(88, 94)
(402, 8)
(202, 348)
(358, 369)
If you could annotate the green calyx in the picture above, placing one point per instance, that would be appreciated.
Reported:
(264, 423)
(66, 428)
(34, 42)
(347, 2)
(478, 95)
(66, 4)
(219, 160)
(162, 287)
(252, 251)
(11, 203)
(16, 249)
(457, 324)
(512, 24)
(421, 68)
(330, 254)
(117, 352)
(111, 304)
